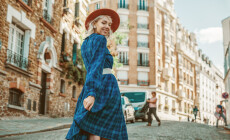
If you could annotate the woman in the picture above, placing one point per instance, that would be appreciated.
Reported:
(98, 114)
(152, 109)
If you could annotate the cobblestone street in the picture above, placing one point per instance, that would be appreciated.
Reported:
(169, 130)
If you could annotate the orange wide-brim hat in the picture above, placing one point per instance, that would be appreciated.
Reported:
(108, 12)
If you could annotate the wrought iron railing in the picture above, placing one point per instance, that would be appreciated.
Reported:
(145, 8)
(143, 44)
(142, 83)
(47, 16)
(17, 59)
(122, 5)
(142, 26)
(124, 62)
(143, 63)
(124, 82)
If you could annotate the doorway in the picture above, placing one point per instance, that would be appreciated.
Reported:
(42, 99)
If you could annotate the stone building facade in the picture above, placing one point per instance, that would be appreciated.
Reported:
(40, 43)
(209, 88)
(226, 44)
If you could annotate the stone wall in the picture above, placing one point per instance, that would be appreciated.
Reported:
(29, 81)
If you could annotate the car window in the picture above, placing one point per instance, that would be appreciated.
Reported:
(135, 97)
(122, 101)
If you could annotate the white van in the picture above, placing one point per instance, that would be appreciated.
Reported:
(138, 100)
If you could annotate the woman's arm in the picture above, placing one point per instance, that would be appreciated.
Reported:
(94, 76)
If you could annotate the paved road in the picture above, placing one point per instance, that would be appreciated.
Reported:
(139, 131)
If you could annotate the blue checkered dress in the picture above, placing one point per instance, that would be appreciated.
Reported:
(106, 117)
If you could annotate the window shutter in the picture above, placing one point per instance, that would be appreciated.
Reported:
(74, 58)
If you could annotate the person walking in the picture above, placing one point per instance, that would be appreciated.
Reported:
(98, 114)
(220, 114)
(195, 110)
(152, 109)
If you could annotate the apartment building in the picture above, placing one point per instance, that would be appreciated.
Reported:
(157, 55)
(39, 44)
(210, 86)
(226, 44)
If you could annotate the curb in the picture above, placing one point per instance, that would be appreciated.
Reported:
(38, 131)
(227, 128)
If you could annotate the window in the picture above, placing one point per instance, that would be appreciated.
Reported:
(15, 97)
(76, 15)
(143, 59)
(65, 3)
(18, 49)
(74, 53)
(142, 5)
(29, 104)
(47, 10)
(34, 106)
(28, 2)
(123, 4)
(62, 90)
(123, 58)
(158, 30)
(74, 92)
(97, 6)
(63, 43)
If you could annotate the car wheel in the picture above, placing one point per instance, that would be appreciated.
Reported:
(145, 119)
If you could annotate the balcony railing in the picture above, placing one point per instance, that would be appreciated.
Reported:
(47, 16)
(124, 82)
(124, 6)
(145, 8)
(142, 83)
(142, 26)
(124, 62)
(17, 59)
(143, 44)
(143, 63)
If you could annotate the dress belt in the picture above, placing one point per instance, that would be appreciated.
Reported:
(107, 71)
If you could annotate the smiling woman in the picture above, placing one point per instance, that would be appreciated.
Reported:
(98, 114)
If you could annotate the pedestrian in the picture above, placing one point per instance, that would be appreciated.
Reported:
(195, 110)
(220, 114)
(152, 109)
(98, 114)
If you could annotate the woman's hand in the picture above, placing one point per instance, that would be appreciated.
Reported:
(88, 102)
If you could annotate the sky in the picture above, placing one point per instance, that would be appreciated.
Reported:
(204, 17)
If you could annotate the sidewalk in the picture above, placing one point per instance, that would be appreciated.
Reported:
(28, 126)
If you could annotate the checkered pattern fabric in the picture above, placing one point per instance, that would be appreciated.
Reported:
(106, 117)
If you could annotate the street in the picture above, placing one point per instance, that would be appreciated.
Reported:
(169, 130)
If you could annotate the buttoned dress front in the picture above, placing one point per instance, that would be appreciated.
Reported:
(106, 118)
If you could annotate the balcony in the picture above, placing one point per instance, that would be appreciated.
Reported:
(123, 6)
(144, 8)
(124, 81)
(142, 82)
(180, 94)
(143, 63)
(143, 44)
(17, 60)
(167, 74)
(124, 62)
(142, 26)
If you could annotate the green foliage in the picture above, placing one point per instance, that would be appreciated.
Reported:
(116, 63)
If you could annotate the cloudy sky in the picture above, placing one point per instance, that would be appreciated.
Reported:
(204, 18)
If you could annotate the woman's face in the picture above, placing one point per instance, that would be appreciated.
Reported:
(103, 26)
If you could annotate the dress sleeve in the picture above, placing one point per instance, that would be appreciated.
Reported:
(96, 64)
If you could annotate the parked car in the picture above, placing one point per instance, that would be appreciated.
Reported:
(138, 99)
(128, 110)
